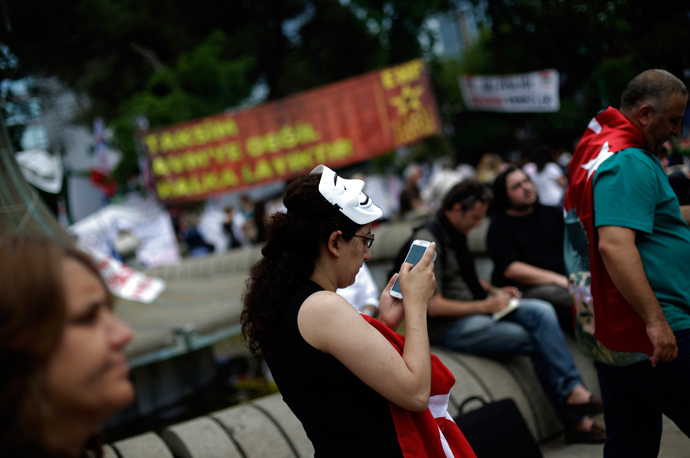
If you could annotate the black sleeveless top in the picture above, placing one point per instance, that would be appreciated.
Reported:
(341, 415)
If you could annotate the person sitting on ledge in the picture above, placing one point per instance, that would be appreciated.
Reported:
(525, 242)
(461, 309)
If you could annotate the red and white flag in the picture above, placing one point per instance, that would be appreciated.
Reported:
(618, 327)
(431, 433)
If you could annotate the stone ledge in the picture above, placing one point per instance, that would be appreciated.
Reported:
(266, 427)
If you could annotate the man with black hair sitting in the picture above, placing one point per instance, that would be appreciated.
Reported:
(460, 314)
(525, 242)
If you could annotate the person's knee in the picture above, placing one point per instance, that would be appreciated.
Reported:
(539, 308)
(554, 294)
(510, 339)
(519, 342)
(501, 339)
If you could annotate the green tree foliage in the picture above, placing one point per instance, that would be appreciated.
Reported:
(204, 81)
(331, 44)
(174, 60)
(597, 46)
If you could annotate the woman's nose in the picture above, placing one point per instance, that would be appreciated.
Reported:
(120, 333)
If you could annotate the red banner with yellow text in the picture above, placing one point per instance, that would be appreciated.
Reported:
(340, 124)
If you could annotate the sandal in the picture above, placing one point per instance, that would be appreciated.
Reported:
(593, 407)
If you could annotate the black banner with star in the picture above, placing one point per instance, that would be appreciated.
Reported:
(337, 125)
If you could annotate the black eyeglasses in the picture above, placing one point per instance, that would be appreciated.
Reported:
(369, 240)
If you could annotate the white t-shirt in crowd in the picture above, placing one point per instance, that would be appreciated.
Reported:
(546, 182)
(363, 291)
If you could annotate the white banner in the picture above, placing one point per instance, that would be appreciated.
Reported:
(126, 282)
(516, 93)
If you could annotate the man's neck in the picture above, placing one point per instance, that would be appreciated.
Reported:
(520, 211)
(630, 115)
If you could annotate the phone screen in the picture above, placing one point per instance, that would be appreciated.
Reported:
(413, 257)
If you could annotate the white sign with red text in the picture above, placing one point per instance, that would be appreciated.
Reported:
(125, 282)
(516, 93)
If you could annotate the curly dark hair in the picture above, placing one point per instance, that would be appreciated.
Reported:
(293, 245)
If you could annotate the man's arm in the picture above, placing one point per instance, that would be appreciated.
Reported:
(492, 290)
(685, 213)
(440, 306)
(624, 265)
(528, 274)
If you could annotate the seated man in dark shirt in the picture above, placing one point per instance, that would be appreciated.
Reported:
(525, 242)
(460, 314)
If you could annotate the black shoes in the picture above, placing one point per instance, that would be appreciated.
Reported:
(596, 435)
(593, 407)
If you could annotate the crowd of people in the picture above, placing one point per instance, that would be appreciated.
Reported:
(618, 260)
(205, 231)
(426, 184)
(460, 313)
(412, 195)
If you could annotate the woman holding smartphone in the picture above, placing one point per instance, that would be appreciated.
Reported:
(64, 371)
(339, 374)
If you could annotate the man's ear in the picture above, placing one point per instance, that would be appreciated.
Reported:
(645, 115)
(333, 243)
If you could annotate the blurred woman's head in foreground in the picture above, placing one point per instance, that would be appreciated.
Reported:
(64, 370)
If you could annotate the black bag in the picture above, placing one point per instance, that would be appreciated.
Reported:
(497, 430)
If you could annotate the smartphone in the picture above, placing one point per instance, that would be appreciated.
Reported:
(415, 254)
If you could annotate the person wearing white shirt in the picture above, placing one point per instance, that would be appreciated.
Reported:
(363, 294)
(548, 179)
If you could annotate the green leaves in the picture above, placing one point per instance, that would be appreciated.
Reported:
(205, 81)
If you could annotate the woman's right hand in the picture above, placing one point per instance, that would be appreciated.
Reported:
(418, 284)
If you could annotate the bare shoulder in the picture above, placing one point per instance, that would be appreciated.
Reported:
(325, 303)
(323, 315)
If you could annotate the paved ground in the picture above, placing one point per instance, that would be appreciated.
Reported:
(674, 444)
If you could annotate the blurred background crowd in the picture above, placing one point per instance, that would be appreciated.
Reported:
(76, 105)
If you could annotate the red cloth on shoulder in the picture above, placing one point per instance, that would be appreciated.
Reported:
(618, 326)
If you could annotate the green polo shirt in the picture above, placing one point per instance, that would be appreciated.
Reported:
(631, 190)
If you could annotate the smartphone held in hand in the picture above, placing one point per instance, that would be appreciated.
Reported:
(417, 250)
